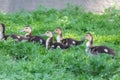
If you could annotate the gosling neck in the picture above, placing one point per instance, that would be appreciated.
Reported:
(28, 34)
(1, 35)
(2, 32)
(89, 43)
(59, 38)
(49, 42)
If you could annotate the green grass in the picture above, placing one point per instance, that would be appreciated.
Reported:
(28, 61)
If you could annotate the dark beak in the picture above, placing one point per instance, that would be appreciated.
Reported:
(83, 38)
(42, 35)
(53, 32)
(22, 31)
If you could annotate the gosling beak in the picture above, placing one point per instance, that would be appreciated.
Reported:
(53, 32)
(22, 31)
(42, 35)
(83, 38)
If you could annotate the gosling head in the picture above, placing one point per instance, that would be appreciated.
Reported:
(2, 28)
(89, 36)
(48, 34)
(58, 31)
(27, 29)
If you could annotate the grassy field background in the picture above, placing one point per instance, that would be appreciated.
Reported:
(28, 61)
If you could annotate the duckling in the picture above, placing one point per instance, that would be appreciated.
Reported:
(50, 44)
(3, 36)
(28, 34)
(18, 38)
(96, 49)
(28, 31)
(65, 41)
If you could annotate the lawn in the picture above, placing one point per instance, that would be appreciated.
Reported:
(29, 61)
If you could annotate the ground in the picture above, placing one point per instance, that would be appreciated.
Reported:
(96, 6)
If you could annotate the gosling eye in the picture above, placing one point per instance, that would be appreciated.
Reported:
(26, 28)
(87, 35)
(47, 32)
(56, 30)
